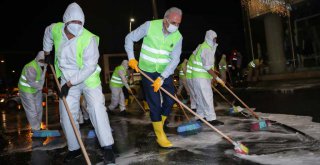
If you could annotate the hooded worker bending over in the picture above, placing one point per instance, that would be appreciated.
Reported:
(159, 57)
(30, 88)
(118, 80)
(202, 74)
(76, 62)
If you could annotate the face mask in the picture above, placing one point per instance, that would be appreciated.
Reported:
(74, 28)
(172, 28)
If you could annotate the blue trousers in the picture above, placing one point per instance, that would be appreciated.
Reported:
(153, 98)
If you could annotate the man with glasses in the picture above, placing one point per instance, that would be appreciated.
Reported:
(159, 56)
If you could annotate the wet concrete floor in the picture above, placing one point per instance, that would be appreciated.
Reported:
(135, 141)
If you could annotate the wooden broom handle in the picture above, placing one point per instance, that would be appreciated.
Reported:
(83, 149)
(216, 90)
(138, 102)
(184, 112)
(254, 114)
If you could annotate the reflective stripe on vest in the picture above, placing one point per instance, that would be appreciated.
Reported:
(156, 48)
(252, 64)
(82, 43)
(116, 79)
(181, 68)
(23, 84)
(197, 70)
(189, 67)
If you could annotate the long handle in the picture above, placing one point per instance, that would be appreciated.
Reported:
(83, 149)
(184, 112)
(204, 121)
(47, 104)
(254, 114)
(221, 95)
(138, 102)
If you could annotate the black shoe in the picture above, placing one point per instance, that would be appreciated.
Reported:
(108, 156)
(123, 113)
(216, 122)
(71, 155)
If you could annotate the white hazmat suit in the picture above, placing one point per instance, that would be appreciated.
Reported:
(202, 86)
(32, 102)
(117, 96)
(71, 72)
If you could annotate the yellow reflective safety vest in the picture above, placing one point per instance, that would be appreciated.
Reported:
(23, 84)
(156, 48)
(83, 40)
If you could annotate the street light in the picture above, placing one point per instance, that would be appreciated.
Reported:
(130, 22)
(2, 61)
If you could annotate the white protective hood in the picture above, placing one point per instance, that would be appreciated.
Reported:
(125, 64)
(40, 56)
(210, 35)
(73, 12)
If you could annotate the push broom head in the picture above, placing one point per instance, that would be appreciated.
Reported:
(235, 110)
(46, 133)
(189, 128)
(240, 148)
(260, 125)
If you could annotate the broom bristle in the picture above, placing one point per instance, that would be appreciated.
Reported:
(241, 149)
(46, 133)
(189, 128)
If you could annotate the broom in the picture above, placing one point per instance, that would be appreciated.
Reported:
(238, 146)
(261, 124)
(47, 132)
(83, 149)
(233, 109)
(190, 127)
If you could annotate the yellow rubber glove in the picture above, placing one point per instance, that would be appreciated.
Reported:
(133, 63)
(157, 84)
(220, 81)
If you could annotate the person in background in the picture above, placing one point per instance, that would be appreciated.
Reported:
(118, 80)
(223, 67)
(202, 75)
(253, 69)
(235, 63)
(193, 104)
(30, 88)
(76, 63)
(159, 57)
(182, 79)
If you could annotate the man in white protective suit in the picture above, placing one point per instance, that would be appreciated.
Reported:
(202, 75)
(76, 62)
(30, 88)
(118, 80)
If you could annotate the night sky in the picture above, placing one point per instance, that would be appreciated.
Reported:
(24, 22)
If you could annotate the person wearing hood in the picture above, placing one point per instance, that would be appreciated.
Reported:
(202, 75)
(118, 80)
(76, 63)
(159, 57)
(30, 88)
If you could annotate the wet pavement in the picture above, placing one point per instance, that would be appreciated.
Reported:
(135, 141)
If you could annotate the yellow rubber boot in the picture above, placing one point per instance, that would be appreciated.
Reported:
(163, 119)
(162, 139)
(126, 102)
(146, 106)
